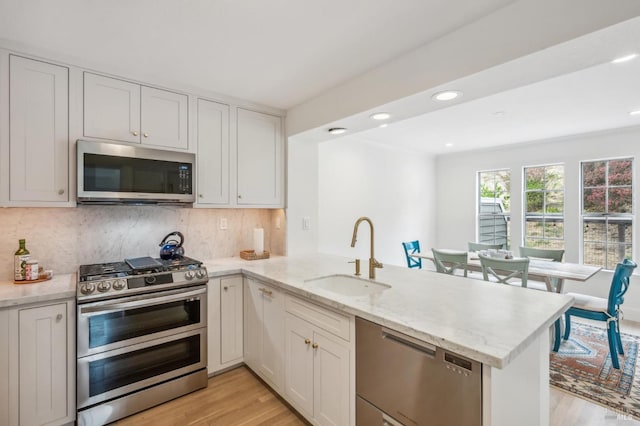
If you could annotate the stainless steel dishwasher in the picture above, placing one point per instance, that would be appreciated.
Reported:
(403, 381)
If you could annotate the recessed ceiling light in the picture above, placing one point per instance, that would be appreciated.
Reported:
(337, 130)
(498, 113)
(446, 95)
(448, 145)
(380, 116)
(636, 112)
(383, 125)
(624, 58)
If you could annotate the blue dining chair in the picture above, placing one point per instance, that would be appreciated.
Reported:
(600, 309)
(412, 247)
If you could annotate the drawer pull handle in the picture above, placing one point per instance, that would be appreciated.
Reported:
(225, 288)
(59, 317)
(146, 135)
(265, 291)
(307, 341)
(135, 133)
(314, 346)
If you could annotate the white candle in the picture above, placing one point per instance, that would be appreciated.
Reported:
(258, 240)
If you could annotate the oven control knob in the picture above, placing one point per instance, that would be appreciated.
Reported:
(119, 284)
(87, 288)
(201, 273)
(104, 286)
(189, 275)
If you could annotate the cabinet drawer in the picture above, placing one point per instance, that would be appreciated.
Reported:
(327, 320)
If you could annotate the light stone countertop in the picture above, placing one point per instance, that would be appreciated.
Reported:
(484, 321)
(59, 287)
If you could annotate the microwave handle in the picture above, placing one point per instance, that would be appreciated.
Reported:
(104, 308)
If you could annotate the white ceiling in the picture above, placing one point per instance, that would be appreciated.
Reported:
(277, 53)
(281, 53)
(592, 98)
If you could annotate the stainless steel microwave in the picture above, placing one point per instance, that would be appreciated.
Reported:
(111, 173)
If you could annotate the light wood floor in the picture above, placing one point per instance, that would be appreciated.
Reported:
(238, 398)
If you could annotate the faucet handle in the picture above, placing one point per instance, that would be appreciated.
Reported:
(377, 264)
(357, 262)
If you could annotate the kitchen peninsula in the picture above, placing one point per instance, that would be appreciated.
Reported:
(505, 328)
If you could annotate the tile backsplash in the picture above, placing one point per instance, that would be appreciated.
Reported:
(61, 239)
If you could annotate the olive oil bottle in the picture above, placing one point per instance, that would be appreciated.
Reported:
(19, 261)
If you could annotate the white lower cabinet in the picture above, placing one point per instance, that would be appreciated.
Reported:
(37, 384)
(317, 364)
(264, 331)
(225, 323)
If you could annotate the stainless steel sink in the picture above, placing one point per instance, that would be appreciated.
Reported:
(346, 285)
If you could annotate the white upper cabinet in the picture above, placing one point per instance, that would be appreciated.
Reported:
(128, 112)
(213, 153)
(111, 108)
(38, 131)
(164, 118)
(260, 150)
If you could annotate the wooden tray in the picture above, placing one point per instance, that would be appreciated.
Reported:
(39, 280)
(252, 255)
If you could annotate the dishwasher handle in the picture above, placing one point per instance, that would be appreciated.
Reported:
(415, 344)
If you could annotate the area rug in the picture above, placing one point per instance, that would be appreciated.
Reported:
(583, 367)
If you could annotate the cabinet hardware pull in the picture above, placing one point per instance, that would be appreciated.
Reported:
(307, 341)
(135, 133)
(60, 191)
(239, 196)
(146, 135)
(314, 346)
(58, 317)
(225, 288)
(200, 195)
(265, 291)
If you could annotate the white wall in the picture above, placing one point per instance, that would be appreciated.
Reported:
(302, 196)
(456, 194)
(392, 187)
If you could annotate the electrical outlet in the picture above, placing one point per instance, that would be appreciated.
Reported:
(306, 223)
(223, 223)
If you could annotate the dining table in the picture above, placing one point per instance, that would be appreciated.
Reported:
(543, 270)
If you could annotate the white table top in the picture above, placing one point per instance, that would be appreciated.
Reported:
(539, 267)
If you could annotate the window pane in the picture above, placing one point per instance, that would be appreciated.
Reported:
(594, 230)
(554, 230)
(534, 228)
(620, 200)
(555, 202)
(535, 202)
(620, 172)
(594, 173)
(535, 178)
(554, 177)
(594, 201)
(594, 254)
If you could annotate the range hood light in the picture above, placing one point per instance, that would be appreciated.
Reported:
(337, 130)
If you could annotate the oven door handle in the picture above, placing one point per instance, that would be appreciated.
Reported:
(107, 307)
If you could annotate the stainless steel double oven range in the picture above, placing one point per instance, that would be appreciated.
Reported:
(142, 335)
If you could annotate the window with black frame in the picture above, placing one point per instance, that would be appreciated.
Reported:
(607, 211)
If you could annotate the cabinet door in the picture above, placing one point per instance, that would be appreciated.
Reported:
(272, 336)
(330, 381)
(164, 118)
(43, 364)
(260, 159)
(39, 131)
(213, 153)
(299, 364)
(111, 108)
(4, 367)
(252, 323)
(231, 319)
(213, 325)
